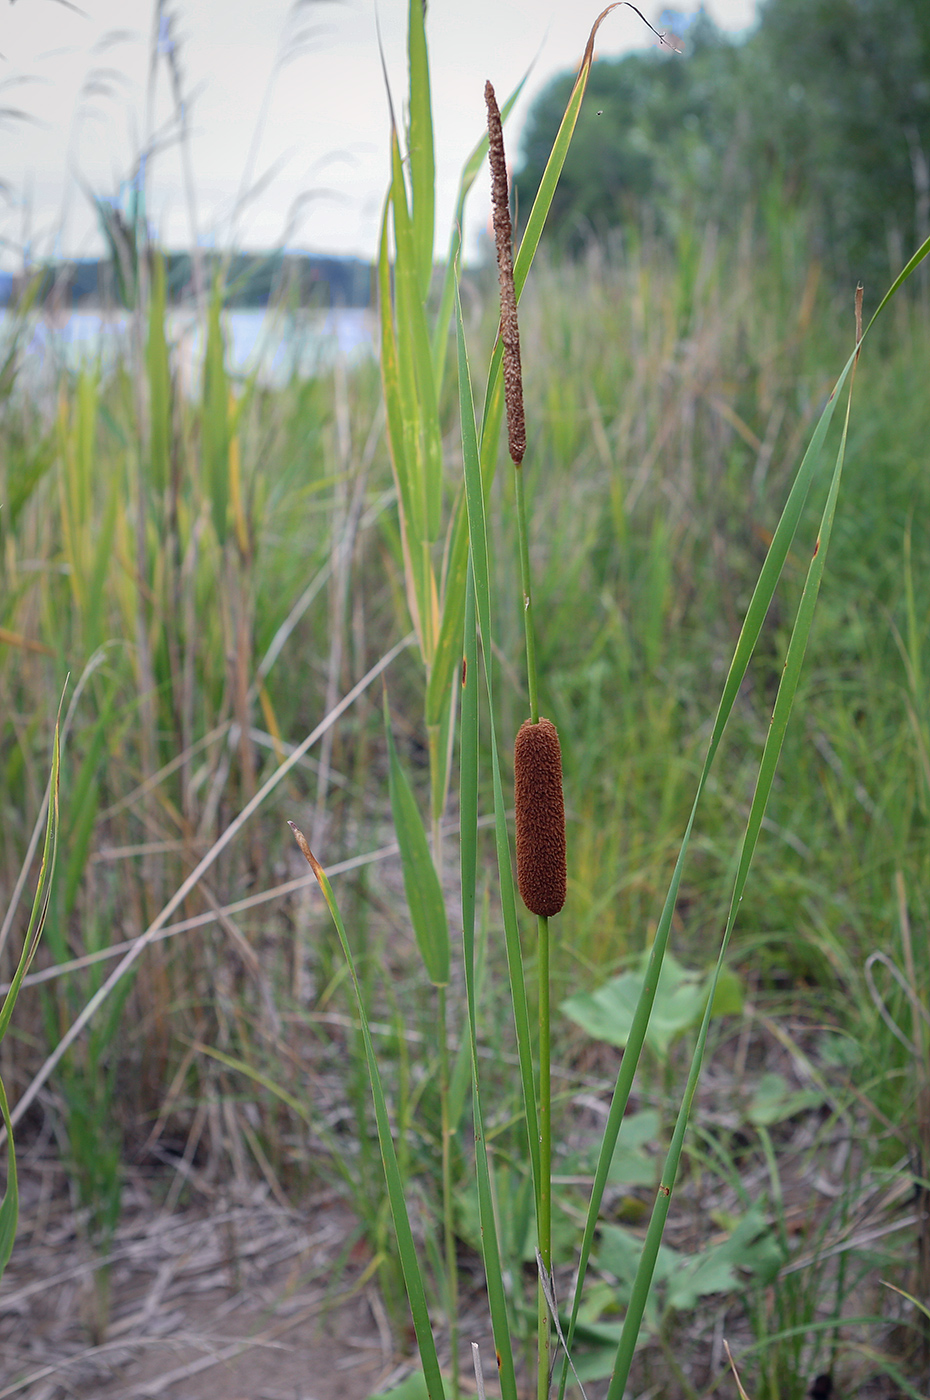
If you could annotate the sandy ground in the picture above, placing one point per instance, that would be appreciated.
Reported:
(245, 1301)
(238, 1297)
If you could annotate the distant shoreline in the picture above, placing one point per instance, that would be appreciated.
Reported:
(273, 343)
(251, 281)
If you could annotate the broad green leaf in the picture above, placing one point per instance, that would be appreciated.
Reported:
(681, 1280)
(751, 1249)
(680, 998)
(413, 1388)
(631, 1166)
(773, 1101)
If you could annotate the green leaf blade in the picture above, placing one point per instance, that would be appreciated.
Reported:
(421, 883)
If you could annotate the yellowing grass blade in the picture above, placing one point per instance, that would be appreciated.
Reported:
(9, 1205)
(422, 160)
(159, 377)
(403, 457)
(215, 419)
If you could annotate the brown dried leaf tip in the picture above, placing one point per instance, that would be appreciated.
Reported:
(503, 235)
(540, 810)
(308, 855)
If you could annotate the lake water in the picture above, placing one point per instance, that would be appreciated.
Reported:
(273, 344)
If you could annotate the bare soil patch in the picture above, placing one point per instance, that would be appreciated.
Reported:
(244, 1301)
(240, 1298)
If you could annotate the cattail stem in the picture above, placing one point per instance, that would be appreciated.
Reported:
(529, 630)
(541, 876)
(544, 1215)
(537, 757)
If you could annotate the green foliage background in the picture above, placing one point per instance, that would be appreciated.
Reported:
(827, 102)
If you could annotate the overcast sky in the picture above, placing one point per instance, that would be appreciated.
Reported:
(289, 94)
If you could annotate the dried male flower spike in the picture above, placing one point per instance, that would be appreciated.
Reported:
(503, 234)
(540, 810)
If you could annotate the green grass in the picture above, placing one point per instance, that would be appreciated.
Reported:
(155, 547)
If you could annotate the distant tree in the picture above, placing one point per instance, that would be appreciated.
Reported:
(827, 102)
(642, 147)
(852, 79)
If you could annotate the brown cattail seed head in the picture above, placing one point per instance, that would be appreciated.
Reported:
(503, 234)
(537, 764)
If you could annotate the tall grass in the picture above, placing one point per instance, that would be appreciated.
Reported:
(229, 574)
(413, 414)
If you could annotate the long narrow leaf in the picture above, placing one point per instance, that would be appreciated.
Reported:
(215, 419)
(749, 634)
(529, 244)
(406, 301)
(422, 160)
(539, 213)
(468, 800)
(478, 538)
(784, 701)
(159, 377)
(448, 644)
(410, 1264)
(421, 882)
(403, 463)
(9, 1205)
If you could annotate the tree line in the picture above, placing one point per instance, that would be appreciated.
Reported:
(249, 279)
(823, 109)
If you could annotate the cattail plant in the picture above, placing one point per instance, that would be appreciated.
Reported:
(541, 872)
(541, 847)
